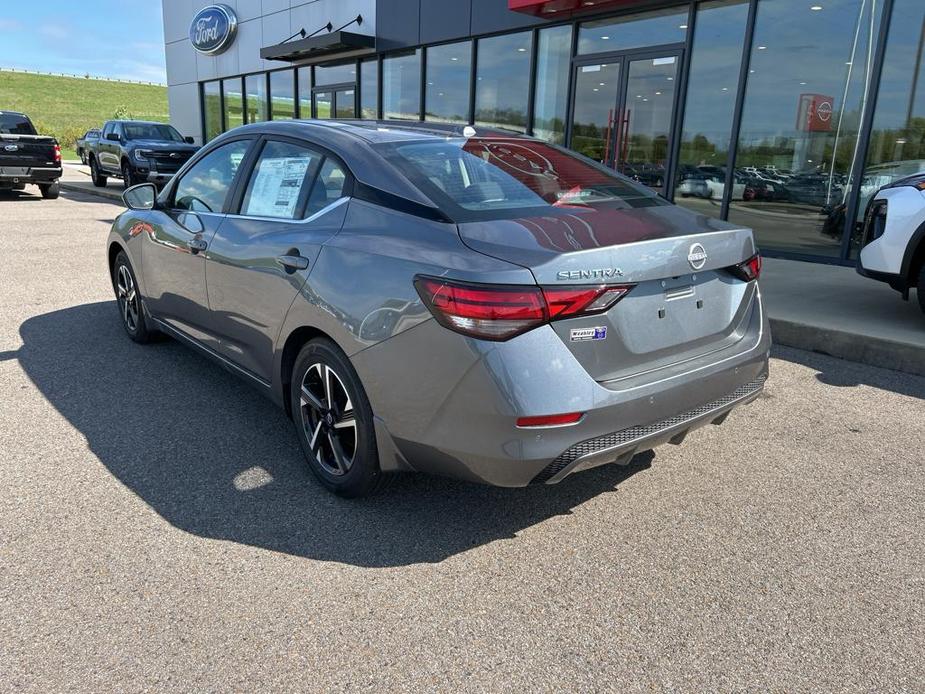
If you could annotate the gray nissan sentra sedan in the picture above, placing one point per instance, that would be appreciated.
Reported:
(453, 300)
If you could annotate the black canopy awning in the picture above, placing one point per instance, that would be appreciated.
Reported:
(339, 42)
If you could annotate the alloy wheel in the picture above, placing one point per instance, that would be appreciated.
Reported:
(328, 419)
(127, 297)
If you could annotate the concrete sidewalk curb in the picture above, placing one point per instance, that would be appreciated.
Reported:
(865, 349)
(90, 190)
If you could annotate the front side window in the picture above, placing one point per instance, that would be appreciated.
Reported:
(205, 186)
(151, 131)
(279, 181)
(488, 178)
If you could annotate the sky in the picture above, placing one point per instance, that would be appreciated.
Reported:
(123, 39)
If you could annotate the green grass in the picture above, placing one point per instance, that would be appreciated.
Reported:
(66, 107)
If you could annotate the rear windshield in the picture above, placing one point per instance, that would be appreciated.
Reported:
(150, 131)
(15, 124)
(486, 178)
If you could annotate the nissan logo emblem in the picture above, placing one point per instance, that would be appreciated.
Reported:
(697, 256)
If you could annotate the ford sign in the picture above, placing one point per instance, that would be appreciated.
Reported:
(213, 28)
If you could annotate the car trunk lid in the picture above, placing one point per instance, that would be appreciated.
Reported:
(26, 151)
(684, 303)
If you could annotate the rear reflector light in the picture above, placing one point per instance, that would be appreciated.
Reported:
(749, 270)
(499, 312)
(550, 420)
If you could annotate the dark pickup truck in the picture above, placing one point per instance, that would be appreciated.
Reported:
(138, 151)
(27, 157)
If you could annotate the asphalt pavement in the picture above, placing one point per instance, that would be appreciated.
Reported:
(159, 531)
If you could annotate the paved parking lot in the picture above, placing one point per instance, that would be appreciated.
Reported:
(158, 531)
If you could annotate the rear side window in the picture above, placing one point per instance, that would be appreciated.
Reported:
(15, 124)
(486, 178)
(205, 186)
(279, 183)
(328, 188)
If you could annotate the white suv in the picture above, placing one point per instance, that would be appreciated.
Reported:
(893, 237)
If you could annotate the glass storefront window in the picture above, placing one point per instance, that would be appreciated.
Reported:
(553, 54)
(335, 74)
(401, 85)
(305, 92)
(234, 103)
(212, 109)
(807, 85)
(369, 89)
(282, 95)
(345, 103)
(633, 31)
(502, 86)
(324, 105)
(446, 94)
(716, 60)
(897, 140)
(256, 88)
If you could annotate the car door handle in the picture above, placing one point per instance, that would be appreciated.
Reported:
(195, 245)
(292, 262)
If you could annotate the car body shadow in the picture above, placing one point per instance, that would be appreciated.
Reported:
(215, 458)
(847, 374)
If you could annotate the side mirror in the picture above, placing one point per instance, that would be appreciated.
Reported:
(188, 140)
(140, 197)
(113, 136)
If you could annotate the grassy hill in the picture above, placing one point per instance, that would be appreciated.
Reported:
(67, 106)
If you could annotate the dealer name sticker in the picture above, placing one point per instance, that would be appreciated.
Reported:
(586, 334)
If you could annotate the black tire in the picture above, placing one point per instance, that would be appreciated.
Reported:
(128, 301)
(50, 191)
(920, 288)
(98, 178)
(360, 475)
(128, 178)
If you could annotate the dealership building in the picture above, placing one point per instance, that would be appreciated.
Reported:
(781, 115)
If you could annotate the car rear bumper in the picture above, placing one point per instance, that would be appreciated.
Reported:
(460, 419)
(15, 175)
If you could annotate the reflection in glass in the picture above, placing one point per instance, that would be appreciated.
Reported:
(646, 123)
(305, 92)
(282, 94)
(806, 89)
(212, 108)
(897, 141)
(594, 110)
(234, 102)
(369, 89)
(345, 103)
(502, 84)
(335, 74)
(401, 85)
(633, 31)
(256, 88)
(712, 82)
(553, 52)
(447, 86)
(324, 102)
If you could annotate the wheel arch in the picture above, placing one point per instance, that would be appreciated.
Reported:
(114, 248)
(914, 257)
(296, 339)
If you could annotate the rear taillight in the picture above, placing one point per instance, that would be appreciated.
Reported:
(749, 270)
(499, 311)
(57, 154)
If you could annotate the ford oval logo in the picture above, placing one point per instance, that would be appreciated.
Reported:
(213, 28)
(697, 256)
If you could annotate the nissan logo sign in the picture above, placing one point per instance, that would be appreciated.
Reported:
(697, 256)
(213, 29)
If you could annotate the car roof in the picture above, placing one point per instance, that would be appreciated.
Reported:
(12, 113)
(377, 131)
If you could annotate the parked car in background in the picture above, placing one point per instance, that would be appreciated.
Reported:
(84, 143)
(27, 157)
(138, 151)
(711, 186)
(893, 237)
(461, 301)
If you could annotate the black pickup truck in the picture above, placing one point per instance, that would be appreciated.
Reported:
(138, 151)
(27, 157)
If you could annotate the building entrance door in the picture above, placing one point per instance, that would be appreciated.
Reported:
(335, 102)
(623, 112)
